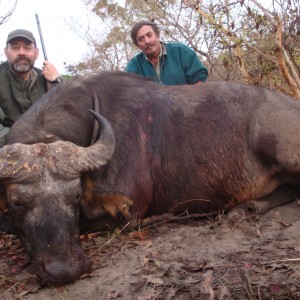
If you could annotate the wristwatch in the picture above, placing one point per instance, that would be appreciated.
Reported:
(57, 80)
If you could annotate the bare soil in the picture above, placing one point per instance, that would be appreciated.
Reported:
(252, 258)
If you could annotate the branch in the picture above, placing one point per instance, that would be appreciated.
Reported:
(293, 79)
(161, 219)
(265, 11)
(6, 17)
(282, 58)
(237, 50)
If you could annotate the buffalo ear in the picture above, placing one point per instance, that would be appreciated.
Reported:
(3, 198)
(5, 224)
(107, 203)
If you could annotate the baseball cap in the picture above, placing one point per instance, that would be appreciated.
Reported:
(26, 34)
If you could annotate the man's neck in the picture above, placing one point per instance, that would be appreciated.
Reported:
(154, 60)
(24, 76)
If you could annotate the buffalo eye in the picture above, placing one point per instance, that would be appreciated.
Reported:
(16, 204)
(17, 208)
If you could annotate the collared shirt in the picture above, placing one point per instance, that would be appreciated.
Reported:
(178, 64)
(163, 51)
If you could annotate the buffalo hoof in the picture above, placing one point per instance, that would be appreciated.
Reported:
(240, 213)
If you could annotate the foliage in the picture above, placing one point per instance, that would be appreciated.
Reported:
(110, 43)
(238, 40)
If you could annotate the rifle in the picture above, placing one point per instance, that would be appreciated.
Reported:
(48, 84)
(41, 36)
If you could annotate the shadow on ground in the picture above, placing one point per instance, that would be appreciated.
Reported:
(254, 258)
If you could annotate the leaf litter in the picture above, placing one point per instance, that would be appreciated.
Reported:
(255, 258)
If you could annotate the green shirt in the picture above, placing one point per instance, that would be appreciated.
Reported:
(17, 95)
(179, 64)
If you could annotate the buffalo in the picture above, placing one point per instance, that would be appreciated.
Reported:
(145, 149)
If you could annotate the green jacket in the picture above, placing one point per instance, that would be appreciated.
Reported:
(179, 64)
(17, 95)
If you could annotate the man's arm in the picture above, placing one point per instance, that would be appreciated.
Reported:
(195, 70)
(198, 83)
(50, 72)
(132, 67)
(3, 130)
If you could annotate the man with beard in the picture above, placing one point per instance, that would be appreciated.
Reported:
(22, 84)
(167, 63)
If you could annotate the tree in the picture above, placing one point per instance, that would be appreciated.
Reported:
(109, 43)
(256, 41)
(6, 15)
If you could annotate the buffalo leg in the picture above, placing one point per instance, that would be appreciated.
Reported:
(280, 196)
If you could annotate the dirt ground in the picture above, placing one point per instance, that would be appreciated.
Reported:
(252, 258)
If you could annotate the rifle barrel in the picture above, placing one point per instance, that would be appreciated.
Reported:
(41, 36)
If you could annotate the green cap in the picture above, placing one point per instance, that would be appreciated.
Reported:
(26, 34)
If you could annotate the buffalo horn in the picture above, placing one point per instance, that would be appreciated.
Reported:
(20, 160)
(78, 159)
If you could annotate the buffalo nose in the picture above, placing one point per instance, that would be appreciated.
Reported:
(68, 270)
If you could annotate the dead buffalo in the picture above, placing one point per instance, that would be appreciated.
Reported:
(170, 149)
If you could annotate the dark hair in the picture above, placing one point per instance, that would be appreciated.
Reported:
(137, 26)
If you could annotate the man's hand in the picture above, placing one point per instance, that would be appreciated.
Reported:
(49, 71)
(198, 83)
